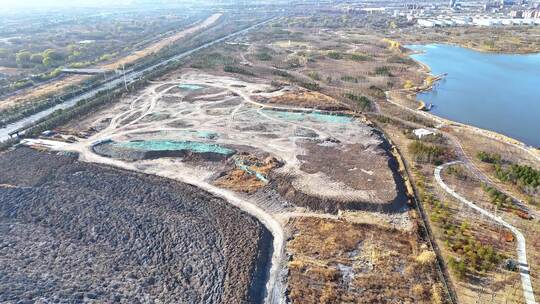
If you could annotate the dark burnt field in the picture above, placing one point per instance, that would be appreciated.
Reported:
(74, 232)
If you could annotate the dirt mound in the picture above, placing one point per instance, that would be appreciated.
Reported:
(249, 173)
(344, 177)
(78, 232)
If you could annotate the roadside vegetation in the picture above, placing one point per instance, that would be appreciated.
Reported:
(471, 253)
(39, 51)
(429, 153)
(524, 177)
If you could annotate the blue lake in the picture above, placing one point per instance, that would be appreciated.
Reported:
(498, 92)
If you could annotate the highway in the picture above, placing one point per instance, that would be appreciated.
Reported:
(130, 76)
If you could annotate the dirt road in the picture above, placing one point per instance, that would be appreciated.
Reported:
(528, 292)
(467, 159)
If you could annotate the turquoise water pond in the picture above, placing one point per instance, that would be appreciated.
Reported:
(168, 145)
(315, 116)
(190, 87)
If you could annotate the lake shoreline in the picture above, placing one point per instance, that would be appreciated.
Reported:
(413, 92)
(427, 70)
(533, 151)
(493, 52)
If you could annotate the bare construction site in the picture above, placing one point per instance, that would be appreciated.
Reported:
(324, 180)
(266, 154)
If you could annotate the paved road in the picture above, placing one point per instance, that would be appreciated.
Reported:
(528, 293)
(130, 76)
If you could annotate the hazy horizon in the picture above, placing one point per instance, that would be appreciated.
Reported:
(8, 4)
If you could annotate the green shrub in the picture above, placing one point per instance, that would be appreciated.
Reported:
(498, 198)
(382, 71)
(335, 55)
(349, 79)
(457, 172)
(263, 56)
(314, 75)
(428, 153)
(360, 57)
(362, 101)
(281, 73)
(401, 60)
(377, 92)
(237, 70)
(313, 86)
(489, 157)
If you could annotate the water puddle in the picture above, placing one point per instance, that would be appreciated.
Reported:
(314, 116)
(190, 87)
(167, 145)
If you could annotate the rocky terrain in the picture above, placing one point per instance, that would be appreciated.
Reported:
(76, 232)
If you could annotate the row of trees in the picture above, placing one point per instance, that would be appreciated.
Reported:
(23, 110)
(26, 59)
(84, 107)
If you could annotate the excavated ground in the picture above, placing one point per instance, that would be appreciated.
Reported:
(331, 160)
(76, 232)
(267, 152)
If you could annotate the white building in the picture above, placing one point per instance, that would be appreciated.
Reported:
(422, 132)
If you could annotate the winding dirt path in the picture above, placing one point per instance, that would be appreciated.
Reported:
(528, 292)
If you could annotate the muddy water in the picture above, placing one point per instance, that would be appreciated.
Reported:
(498, 92)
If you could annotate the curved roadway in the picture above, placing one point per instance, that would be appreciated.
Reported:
(467, 159)
(528, 292)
